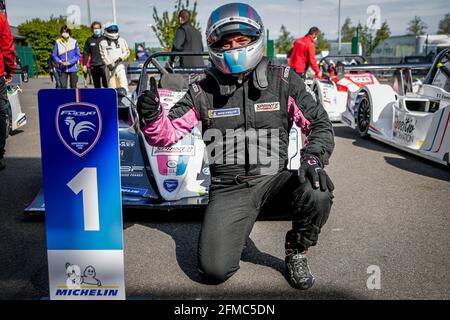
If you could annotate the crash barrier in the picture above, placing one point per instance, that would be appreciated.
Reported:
(81, 173)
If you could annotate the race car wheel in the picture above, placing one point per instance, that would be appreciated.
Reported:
(363, 116)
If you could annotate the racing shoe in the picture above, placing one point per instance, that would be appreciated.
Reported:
(298, 273)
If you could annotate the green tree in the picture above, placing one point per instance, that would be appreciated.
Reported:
(322, 43)
(347, 30)
(416, 26)
(41, 35)
(444, 25)
(285, 41)
(167, 24)
(132, 56)
(368, 43)
(365, 38)
(382, 34)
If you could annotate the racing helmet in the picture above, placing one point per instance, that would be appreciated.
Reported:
(111, 31)
(235, 18)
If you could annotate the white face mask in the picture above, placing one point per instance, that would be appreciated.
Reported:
(97, 32)
(65, 35)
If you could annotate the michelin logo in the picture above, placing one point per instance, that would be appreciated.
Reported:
(220, 113)
(84, 284)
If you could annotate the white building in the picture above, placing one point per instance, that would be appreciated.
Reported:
(410, 45)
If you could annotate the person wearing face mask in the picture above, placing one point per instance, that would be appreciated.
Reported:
(141, 53)
(303, 54)
(92, 54)
(66, 55)
(114, 51)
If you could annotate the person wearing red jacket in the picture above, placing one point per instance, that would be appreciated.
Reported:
(303, 54)
(7, 69)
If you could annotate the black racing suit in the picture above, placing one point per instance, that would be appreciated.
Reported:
(92, 49)
(243, 184)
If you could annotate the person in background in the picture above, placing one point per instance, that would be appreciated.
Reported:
(87, 77)
(92, 54)
(141, 53)
(24, 69)
(54, 72)
(7, 69)
(114, 51)
(303, 54)
(187, 39)
(66, 54)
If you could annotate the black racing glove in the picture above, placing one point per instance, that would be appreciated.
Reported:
(111, 67)
(148, 107)
(311, 167)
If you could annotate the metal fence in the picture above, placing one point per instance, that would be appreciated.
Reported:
(28, 57)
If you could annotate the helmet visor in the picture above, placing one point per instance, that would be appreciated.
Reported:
(112, 29)
(237, 27)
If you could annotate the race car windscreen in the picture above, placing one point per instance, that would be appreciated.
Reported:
(346, 60)
(442, 77)
(329, 64)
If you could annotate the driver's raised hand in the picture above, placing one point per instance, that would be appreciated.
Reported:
(148, 106)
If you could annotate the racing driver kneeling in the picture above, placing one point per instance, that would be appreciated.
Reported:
(243, 93)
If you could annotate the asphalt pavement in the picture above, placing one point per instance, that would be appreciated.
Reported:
(391, 213)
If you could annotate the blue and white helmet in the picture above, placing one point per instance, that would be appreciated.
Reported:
(235, 18)
(111, 30)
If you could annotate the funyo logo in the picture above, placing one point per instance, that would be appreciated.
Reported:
(170, 184)
(79, 126)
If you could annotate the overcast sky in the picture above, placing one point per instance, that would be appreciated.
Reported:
(133, 16)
